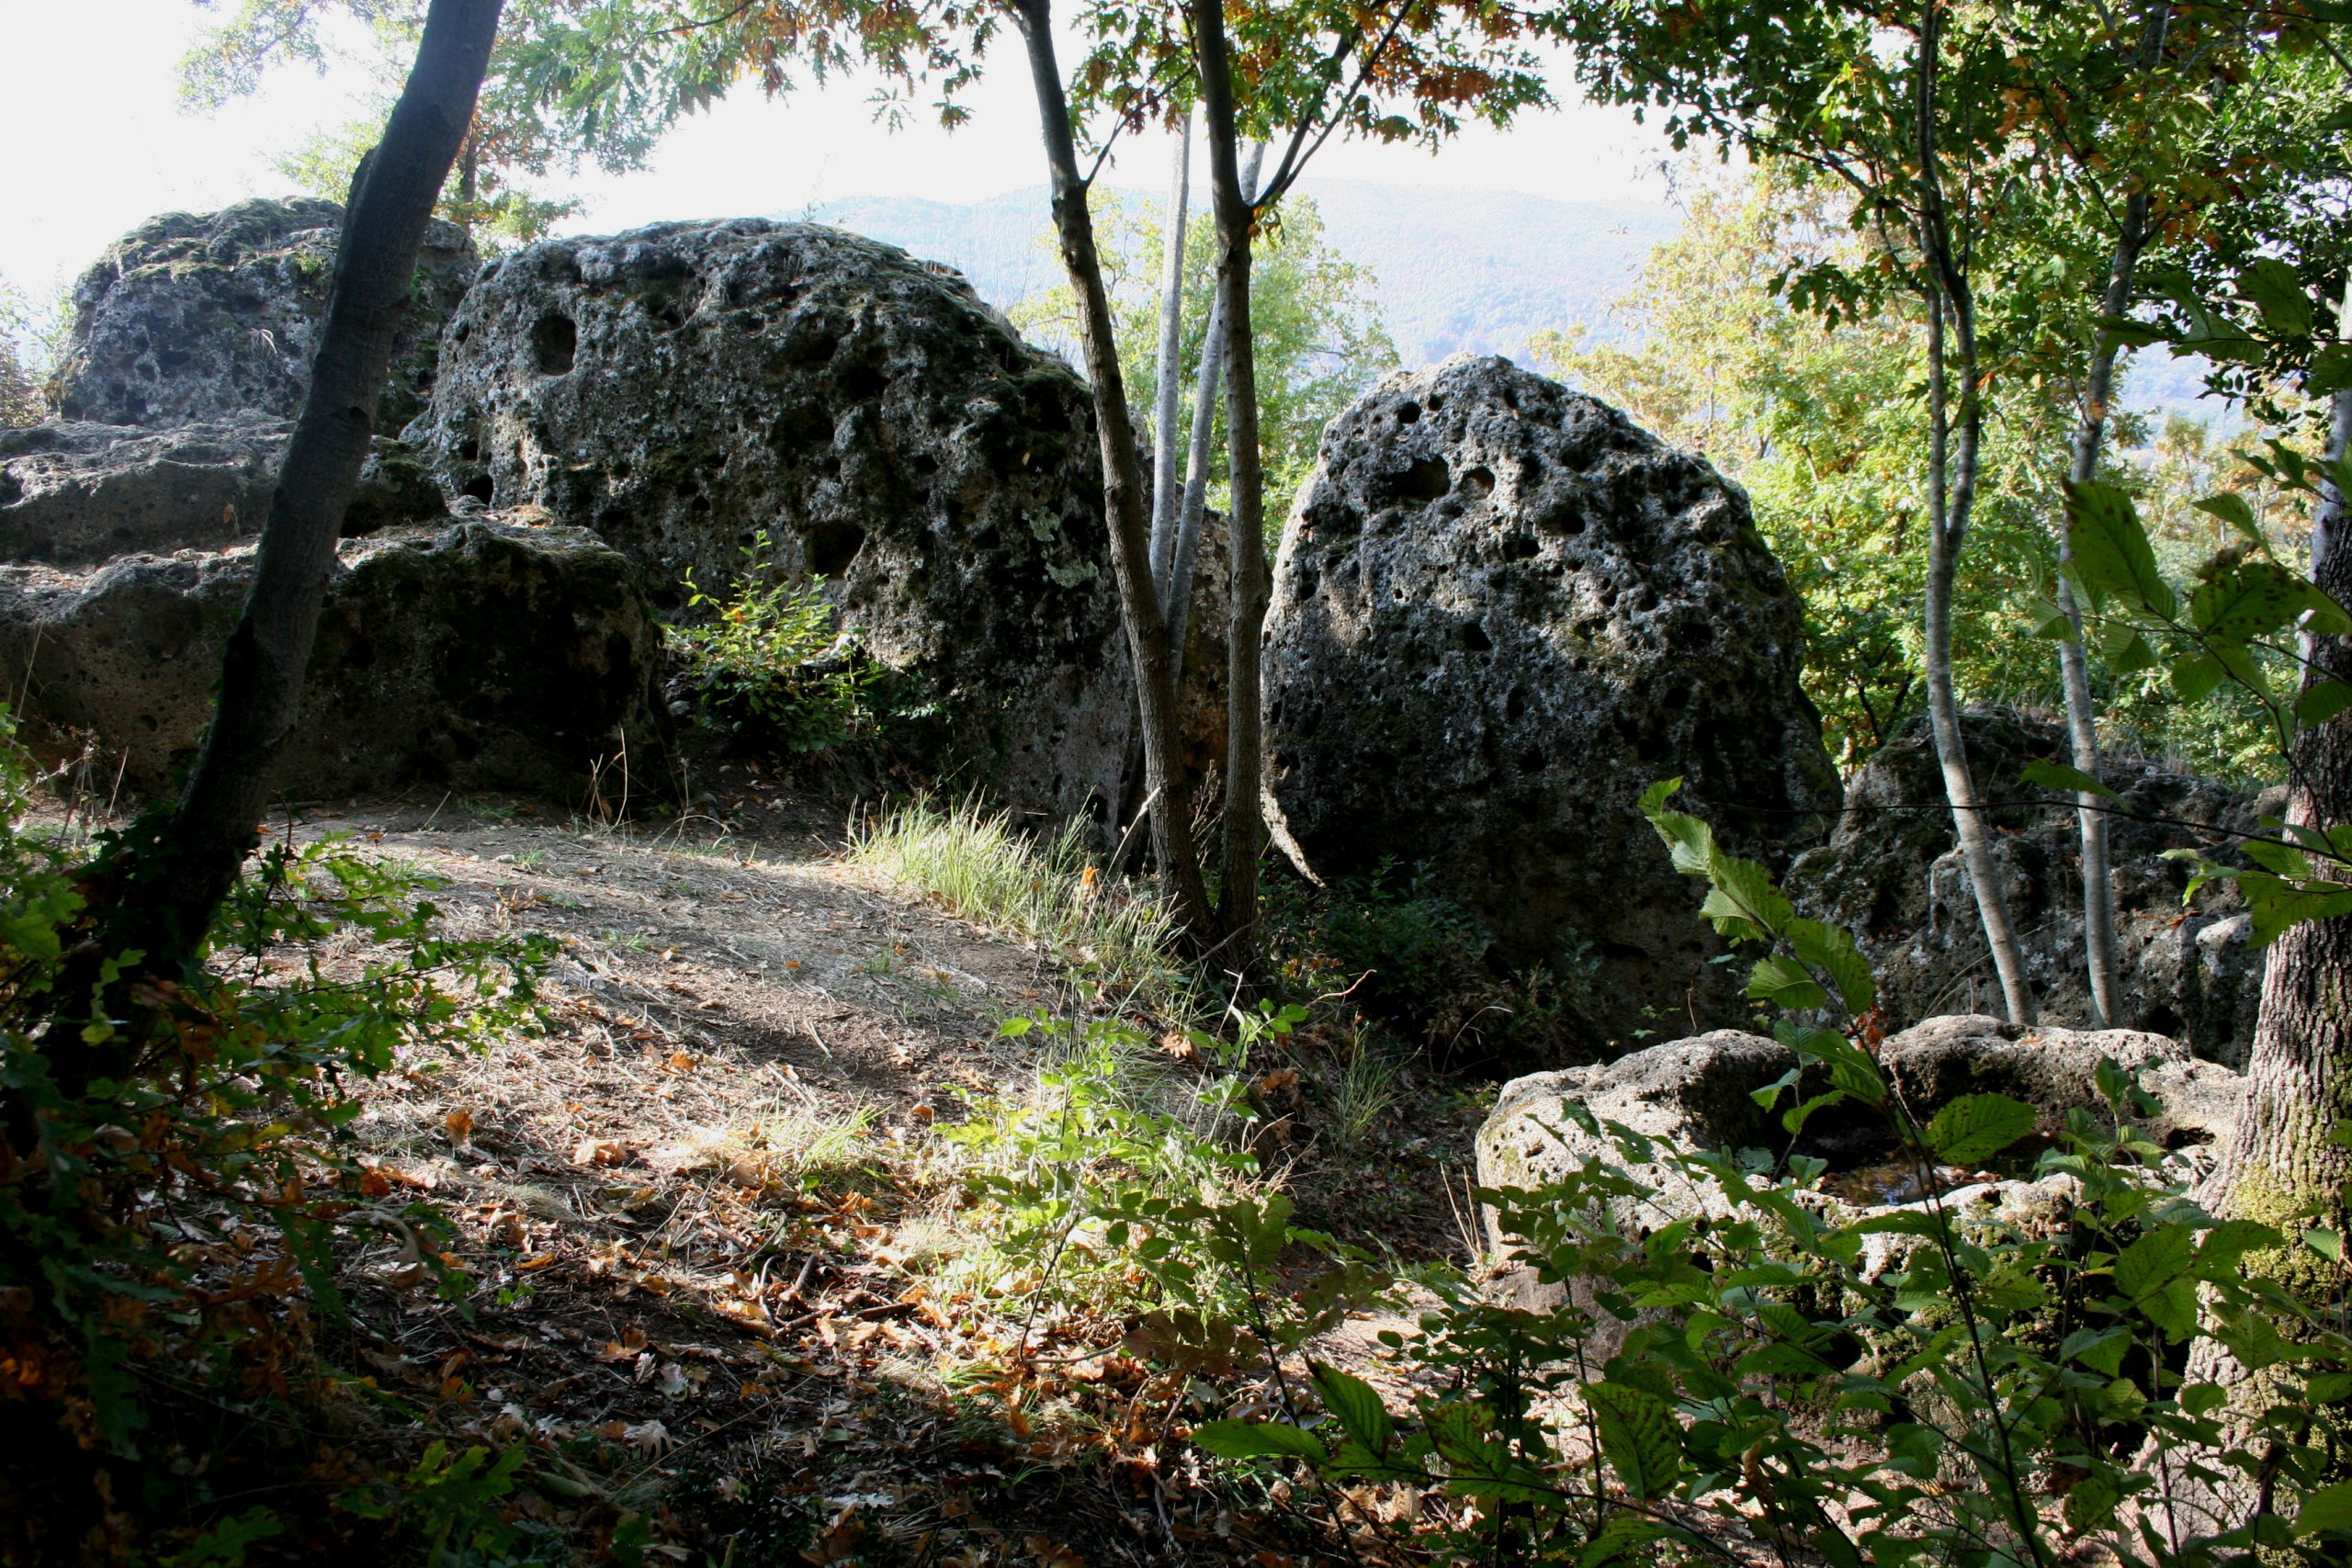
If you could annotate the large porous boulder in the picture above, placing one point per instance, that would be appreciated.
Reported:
(77, 494)
(216, 316)
(484, 654)
(692, 391)
(1893, 874)
(1500, 611)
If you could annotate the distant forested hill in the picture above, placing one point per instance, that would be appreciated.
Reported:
(1476, 271)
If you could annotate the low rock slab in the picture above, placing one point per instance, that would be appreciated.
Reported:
(1698, 1094)
(78, 493)
(485, 655)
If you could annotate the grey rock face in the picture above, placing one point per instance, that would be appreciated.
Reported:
(489, 654)
(1697, 1095)
(1501, 611)
(679, 388)
(2056, 1070)
(77, 494)
(1892, 874)
(215, 316)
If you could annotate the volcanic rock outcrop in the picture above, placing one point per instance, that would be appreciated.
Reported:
(216, 316)
(1892, 874)
(1501, 611)
(692, 391)
(492, 654)
(482, 654)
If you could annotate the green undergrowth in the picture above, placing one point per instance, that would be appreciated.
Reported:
(977, 865)
(171, 1230)
(769, 663)
(1426, 970)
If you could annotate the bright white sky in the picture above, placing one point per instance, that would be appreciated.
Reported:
(96, 142)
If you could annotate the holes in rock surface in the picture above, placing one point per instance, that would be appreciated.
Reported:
(1479, 481)
(1474, 638)
(469, 450)
(1407, 413)
(1514, 706)
(1519, 547)
(1307, 582)
(1531, 761)
(481, 488)
(833, 546)
(2164, 1020)
(862, 383)
(555, 343)
(173, 358)
(1427, 479)
(465, 329)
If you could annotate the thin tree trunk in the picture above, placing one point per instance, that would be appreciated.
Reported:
(2100, 955)
(158, 895)
(1207, 394)
(1122, 489)
(1166, 487)
(1952, 496)
(1245, 823)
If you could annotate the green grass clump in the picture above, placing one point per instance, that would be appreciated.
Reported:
(977, 863)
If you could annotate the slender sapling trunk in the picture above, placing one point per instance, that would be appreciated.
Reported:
(1123, 488)
(1245, 828)
(1166, 454)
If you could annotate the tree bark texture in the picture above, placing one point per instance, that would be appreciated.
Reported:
(1123, 488)
(1245, 819)
(1166, 451)
(1207, 394)
(2100, 955)
(193, 863)
(2300, 1073)
(2280, 1166)
(1952, 495)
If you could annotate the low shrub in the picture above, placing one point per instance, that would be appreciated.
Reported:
(1426, 969)
(1781, 1376)
(771, 662)
(168, 1238)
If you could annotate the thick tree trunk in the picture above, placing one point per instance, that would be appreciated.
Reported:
(1122, 489)
(1207, 395)
(2298, 1078)
(1245, 822)
(1952, 498)
(2281, 1165)
(1166, 454)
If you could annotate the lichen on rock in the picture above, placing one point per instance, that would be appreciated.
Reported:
(683, 388)
(1501, 611)
(216, 316)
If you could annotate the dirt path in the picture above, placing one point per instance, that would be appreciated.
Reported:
(713, 1240)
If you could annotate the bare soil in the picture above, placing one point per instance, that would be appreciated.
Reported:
(703, 1214)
